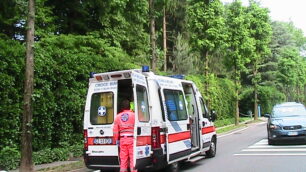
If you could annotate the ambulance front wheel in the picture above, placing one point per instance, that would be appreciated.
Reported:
(212, 149)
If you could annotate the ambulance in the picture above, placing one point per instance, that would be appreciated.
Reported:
(172, 122)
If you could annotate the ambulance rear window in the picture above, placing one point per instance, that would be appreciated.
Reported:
(175, 103)
(102, 108)
(142, 104)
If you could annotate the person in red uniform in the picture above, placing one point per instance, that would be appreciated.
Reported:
(123, 131)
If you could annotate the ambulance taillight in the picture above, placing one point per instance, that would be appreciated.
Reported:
(85, 140)
(155, 137)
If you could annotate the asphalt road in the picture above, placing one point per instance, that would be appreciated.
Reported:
(248, 151)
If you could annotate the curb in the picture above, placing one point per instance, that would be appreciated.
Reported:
(248, 123)
(49, 165)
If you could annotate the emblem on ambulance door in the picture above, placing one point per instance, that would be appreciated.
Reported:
(181, 105)
(143, 107)
(102, 111)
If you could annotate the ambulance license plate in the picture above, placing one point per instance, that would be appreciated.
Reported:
(103, 141)
(292, 133)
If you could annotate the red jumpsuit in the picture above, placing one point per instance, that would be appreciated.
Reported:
(124, 131)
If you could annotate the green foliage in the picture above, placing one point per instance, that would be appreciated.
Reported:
(11, 86)
(62, 63)
(183, 59)
(221, 92)
(58, 154)
(267, 97)
(206, 23)
(9, 158)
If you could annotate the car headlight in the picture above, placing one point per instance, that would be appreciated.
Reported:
(274, 127)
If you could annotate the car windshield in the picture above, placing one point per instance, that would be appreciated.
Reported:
(287, 111)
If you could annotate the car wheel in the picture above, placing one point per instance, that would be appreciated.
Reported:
(212, 149)
(271, 142)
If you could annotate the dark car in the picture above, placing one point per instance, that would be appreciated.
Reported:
(287, 123)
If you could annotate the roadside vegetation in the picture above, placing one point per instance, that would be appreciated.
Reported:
(237, 56)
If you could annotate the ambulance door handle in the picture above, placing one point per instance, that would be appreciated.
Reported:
(188, 126)
(138, 130)
(204, 123)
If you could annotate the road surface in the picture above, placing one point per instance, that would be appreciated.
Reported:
(247, 150)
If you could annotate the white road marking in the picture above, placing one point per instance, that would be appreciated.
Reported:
(271, 146)
(274, 154)
(261, 148)
(273, 150)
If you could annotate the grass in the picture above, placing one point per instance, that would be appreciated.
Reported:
(66, 167)
(230, 128)
(230, 121)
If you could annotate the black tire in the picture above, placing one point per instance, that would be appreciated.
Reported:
(212, 149)
(174, 167)
(271, 142)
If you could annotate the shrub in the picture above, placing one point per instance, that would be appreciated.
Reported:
(9, 158)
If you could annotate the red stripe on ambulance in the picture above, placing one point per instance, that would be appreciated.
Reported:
(208, 130)
(146, 140)
(178, 136)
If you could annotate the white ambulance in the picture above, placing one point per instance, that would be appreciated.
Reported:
(172, 123)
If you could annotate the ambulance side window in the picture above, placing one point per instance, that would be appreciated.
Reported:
(176, 108)
(204, 109)
(102, 108)
(142, 104)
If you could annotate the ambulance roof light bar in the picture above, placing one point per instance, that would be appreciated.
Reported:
(91, 74)
(145, 69)
(177, 76)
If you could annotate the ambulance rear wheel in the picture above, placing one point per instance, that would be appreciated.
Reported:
(212, 149)
(174, 167)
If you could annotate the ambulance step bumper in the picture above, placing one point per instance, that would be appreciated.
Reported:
(96, 162)
(196, 158)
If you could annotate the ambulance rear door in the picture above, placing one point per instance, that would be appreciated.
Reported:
(99, 116)
(142, 132)
(178, 136)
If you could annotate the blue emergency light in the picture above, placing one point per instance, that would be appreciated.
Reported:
(177, 76)
(145, 69)
(91, 74)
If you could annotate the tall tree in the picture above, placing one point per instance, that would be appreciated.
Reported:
(169, 6)
(261, 32)
(26, 140)
(240, 45)
(183, 59)
(152, 35)
(206, 23)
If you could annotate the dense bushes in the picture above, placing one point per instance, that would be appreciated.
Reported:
(62, 69)
(62, 66)
(11, 85)
(221, 94)
(10, 157)
(268, 96)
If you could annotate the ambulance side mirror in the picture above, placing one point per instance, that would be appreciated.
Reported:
(213, 115)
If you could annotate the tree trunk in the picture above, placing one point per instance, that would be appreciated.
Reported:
(255, 92)
(26, 140)
(237, 96)
(206, 78)
(152, 35)
(165, 39)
